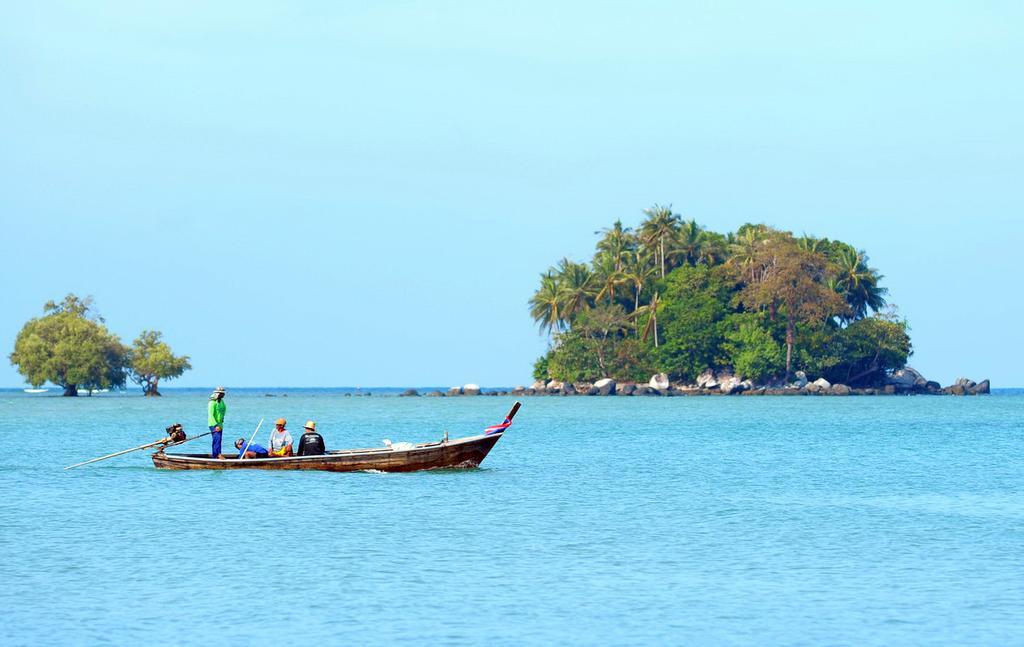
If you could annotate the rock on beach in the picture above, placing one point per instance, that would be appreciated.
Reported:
(659, 382)
(906, 381)
(605, 386)
(706, 380)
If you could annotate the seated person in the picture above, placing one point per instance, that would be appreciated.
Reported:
(311, 443)
(280, 439)
(252, 451)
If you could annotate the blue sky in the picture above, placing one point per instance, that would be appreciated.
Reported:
(364, 193)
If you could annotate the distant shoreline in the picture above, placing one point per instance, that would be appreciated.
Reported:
(386, 391)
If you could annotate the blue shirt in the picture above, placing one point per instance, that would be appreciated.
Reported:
(261, 451)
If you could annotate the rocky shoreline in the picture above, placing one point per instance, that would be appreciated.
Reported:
(904, 382)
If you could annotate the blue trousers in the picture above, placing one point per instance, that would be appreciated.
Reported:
(215, 452)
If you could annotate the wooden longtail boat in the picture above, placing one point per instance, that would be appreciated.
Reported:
(466, 452)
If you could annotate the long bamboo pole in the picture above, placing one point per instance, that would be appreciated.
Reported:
(162, 441)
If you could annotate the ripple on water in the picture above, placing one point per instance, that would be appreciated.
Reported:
(595, 520)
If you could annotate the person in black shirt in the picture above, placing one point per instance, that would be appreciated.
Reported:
(311, 443)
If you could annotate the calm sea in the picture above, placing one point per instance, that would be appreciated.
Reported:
(744, 520)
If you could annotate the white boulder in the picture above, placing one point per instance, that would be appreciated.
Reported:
(659, 382)
(605, 386)
(470, 389)
(706, 380)
(906, 377)
(731, 385)
(800, 379)
(822, 384)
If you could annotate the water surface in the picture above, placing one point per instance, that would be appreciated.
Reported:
(745, 520)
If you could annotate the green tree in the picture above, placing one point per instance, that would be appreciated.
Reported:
(616, 242)
(658, 233)
(70, 347)
(750, 348)
(638, 272)
(714, 248)
(870, 348)
(598, 346)
(745, 247)
(573, 359)
(608, 276)
(540, 367)
(688, 244)
(546, 304)
(792, 280)
(650, 328)
(151, 360)
(856, 282)
(819, 349)
(601, 327)
(576, 288)
(696, 300)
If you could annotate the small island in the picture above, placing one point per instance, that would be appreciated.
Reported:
(674, 308)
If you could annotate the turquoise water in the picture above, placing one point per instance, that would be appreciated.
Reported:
(867, 521)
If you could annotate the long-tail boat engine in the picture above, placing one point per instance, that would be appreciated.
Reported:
(176, 433)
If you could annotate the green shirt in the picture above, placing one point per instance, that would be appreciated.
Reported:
(216, 413)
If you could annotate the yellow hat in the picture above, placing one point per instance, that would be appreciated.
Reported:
(281, 421)
(310, 425)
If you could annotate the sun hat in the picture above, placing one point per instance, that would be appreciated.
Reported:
(310, 425)
(240, 441)
(281, 421)
(219, 389)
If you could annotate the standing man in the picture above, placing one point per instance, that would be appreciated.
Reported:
(215, 419)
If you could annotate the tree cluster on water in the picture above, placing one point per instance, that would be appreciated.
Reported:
(70, 346)
(673, 297)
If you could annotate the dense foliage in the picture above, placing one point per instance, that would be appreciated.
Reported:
(151, 360)
(71, 347)
(674, 297)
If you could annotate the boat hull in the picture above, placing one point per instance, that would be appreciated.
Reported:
(455, 454)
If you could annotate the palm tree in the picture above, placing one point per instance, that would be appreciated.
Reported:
(576, 288)
(745, 248)
(608, 275)
(714, 248)
(688, 243)
(658, 231)
(546, 303)
(857, 283)
(651, 309)
(811, 244)
(616, 242)
(636, 272)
